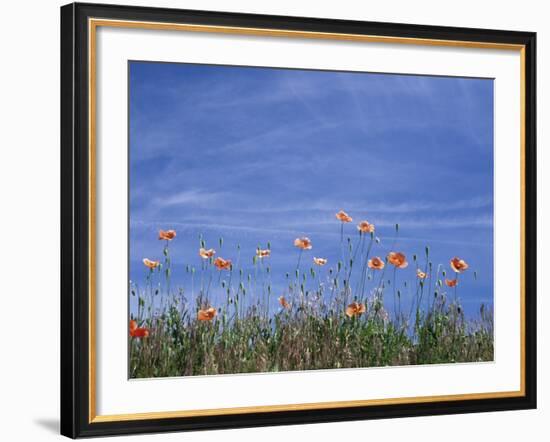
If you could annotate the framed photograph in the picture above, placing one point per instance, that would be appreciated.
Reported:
(274, 220)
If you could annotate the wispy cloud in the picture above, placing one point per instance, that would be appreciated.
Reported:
(309, 223)
(329, 207)
(192, 197)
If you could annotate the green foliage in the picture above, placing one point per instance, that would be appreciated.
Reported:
(326, 319)
(305, 337)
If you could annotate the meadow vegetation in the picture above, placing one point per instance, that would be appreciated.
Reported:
(327, 317)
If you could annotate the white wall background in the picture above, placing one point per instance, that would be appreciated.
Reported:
(29, 220)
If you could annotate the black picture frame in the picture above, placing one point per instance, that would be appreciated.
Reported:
(75, 219)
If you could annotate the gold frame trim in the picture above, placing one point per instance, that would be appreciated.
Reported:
(93, 24)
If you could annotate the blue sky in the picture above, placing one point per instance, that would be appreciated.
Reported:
(258, 154)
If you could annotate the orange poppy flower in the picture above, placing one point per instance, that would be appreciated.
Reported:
(376, 263)
(458, 265)
(222, 264)
(133, 326)
(207, 314)
(168, 235)
(420, 274)
(205, 254)
(398, 259)
(365, 227)
(355, 309)
(320, 261)
(303, 243)
(451, 282)
(151, 264)
(138, 332)
(284, 303)
(265, 253)
(344, 217)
